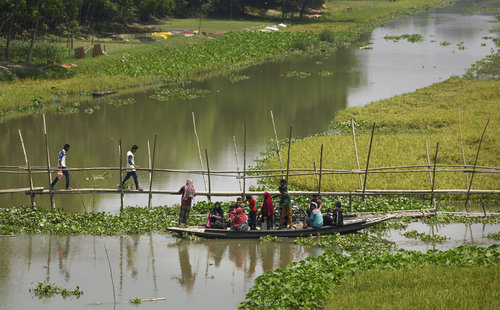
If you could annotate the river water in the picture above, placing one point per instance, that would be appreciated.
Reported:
(214, 273)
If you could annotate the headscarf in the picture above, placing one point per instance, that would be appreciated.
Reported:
(217, 211)
(239, 218)
(267, 205)
(189, 191)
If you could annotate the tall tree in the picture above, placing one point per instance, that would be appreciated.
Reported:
(39, 9)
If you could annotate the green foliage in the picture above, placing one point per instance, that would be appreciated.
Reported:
(452, 218)
(304, 284)
(445, 43)
(413, 234)
(170, 93)
(346, 127)
(43, 52)
(46, 289)
(238, 77)
(117, 102)
(408, 37)
(135, 301)
(325, 73)
(349, 242)
(326, 35)
(493, 236)
(133, 220)
(296, 74)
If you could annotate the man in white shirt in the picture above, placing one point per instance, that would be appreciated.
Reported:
(61, 165)
(131, 168)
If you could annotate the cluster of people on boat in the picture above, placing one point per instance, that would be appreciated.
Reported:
(242, 214)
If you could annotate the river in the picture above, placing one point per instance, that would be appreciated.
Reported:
(214, 272)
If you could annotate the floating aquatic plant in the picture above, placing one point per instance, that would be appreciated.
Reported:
(238, 77)
(296, 74)
(165, 94)
(408, 37)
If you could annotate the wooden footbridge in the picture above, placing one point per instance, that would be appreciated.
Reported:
(242, 175)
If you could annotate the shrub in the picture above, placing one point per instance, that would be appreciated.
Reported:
(327, 35)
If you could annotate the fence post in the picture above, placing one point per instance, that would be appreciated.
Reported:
(356, 152)
(288, 159)
(467, 201)
(30, 178)
(368, 161)
(434, 178)
(320, 170)
(151, 166)
(209, 183)
(199, 150)
(52, 203)
(277, 143)
(121, 174)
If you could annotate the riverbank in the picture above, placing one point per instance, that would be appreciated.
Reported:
(182, 59)
(403, 126)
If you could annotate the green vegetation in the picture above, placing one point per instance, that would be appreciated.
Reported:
(46, 289)
(349, 242)
(408, 37)
(140, 63)
(451, 218)
(493, 236)
(296, 74)
(403, 124)
(165, 94)
(304, 285)
(423, 287)
(413, 234)
(135, 301)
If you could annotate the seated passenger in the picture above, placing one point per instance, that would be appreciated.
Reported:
(338, 218)
(239, 220)
(216, 217)
(316, 219)
(328, 217)
(315, 199)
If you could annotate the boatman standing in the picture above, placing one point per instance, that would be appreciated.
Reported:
(131, 168)
(61, 165)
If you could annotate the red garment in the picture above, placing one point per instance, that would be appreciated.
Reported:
(267, 205)
(188, 200)
(239, 217)
(251, 204)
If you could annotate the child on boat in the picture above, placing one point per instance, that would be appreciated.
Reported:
(316, 219)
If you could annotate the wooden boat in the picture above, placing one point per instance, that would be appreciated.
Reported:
(350, 226)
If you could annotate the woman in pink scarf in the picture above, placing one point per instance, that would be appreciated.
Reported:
(239, 220)
(268, 210)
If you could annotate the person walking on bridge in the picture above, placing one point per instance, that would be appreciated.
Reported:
(131, 168)
(61, 165)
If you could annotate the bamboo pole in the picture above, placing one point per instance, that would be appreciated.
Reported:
(462, 146)
(475, 163)
(209, 183)
(428, 162)
(316, 174)
(237, 161)
(52, 203)
(121, 174)
(150, 170)
(320, 170)
(356, 152)
(199, 149)
(434, 177)
(277, 144)
(368, 161)
(244, 158)
(288, 158)
(111, 276)
(30, 178)
(151, 165)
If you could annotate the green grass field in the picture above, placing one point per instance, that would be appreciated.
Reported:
(77, 84)
(420, 288)
(403, 124)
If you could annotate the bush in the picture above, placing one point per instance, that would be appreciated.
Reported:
(302, 44)
(327, 35)
(42, 51)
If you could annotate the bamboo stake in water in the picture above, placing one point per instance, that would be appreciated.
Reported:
(30, 178)
(244, 158)
(320, 170)
(121, 174)
(462, 146)
(475, 163)
(111, 276)
(356, 152)
(237, 161)
(368, 161)
(277, 143)
(209, 183)
(288, 158)
(52, 203)
(316, 174)
(151, 166)
(199, 149)
(428, 162)
(434, 177)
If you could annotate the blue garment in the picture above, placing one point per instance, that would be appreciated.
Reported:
(317, 219)
(66, 174)
(131, 174)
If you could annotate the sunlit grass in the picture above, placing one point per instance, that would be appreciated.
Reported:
(403, 123)
(420, 288)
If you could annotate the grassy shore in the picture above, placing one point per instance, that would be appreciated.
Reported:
(403, 124)
(429, 287)
(141, 65)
